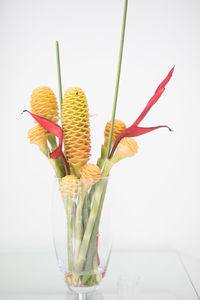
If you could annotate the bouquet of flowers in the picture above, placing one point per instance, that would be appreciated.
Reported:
(83, 184)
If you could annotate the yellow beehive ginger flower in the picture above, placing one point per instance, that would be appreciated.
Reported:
(76, 128)
(127, 147)
(118, 128)
(90, 174)
(38, 135)
(44, 103)
(69, 186)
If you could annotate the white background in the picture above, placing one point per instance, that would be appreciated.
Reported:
(156, 193)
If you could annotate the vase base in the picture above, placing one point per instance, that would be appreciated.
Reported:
(83, 289)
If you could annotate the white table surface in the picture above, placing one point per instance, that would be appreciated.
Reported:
(163, 276)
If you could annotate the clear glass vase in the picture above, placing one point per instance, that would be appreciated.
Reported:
(81, 232)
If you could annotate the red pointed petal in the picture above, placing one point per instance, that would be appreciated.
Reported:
(166, 80)
(133, 131)
(149, 105)
(155, 97)
(136, 131)
(52, 128)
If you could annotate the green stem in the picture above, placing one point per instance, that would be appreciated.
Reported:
(85, 211)
(92, 248)
(91, 261)
(78, 222)
(118, 77)
(89, 229)
(53, 143)
(88, 244)
(107, 167)
(90, 198)
(103, 157)
(56, 164)
(59, 75)
(69, 208)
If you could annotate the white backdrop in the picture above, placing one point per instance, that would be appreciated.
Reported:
(156, 193)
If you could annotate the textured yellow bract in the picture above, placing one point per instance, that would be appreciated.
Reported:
(90, 174)
(44, 103)
(38, 135)
(118, 128)
(127, 147)
(69, 186)
(76, 127)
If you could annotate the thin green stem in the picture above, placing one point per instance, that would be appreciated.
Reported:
(118, 77)
(59, 75)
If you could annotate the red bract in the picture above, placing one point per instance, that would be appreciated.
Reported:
(134, 130)
(52, 128)
(55, 130)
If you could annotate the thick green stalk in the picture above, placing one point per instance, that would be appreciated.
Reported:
(90, 198)
(107, 167)
(69, 209)
(53, 143)
(91, 261)
(78, 223)
(103, 157)
(96, 227)
(89, 229)
(89, 237)
(85, 211)
(56, 164)
(87, 256)
(59, 75)
(118, 77)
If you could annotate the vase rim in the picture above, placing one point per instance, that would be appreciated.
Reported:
(89, 178)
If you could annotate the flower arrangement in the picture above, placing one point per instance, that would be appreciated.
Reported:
(69, 157)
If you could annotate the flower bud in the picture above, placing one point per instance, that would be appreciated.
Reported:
(38, 135)
(69, 186)
(90, 174)
(118, 128)
(44, 103)
(127, 147)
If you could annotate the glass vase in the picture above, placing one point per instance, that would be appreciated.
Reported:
(81, 232)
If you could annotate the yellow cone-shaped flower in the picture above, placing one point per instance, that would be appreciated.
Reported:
(119, 126)
(90, 174)
(76, 128)
(69, 186)
(38, 135)
(44, 103)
